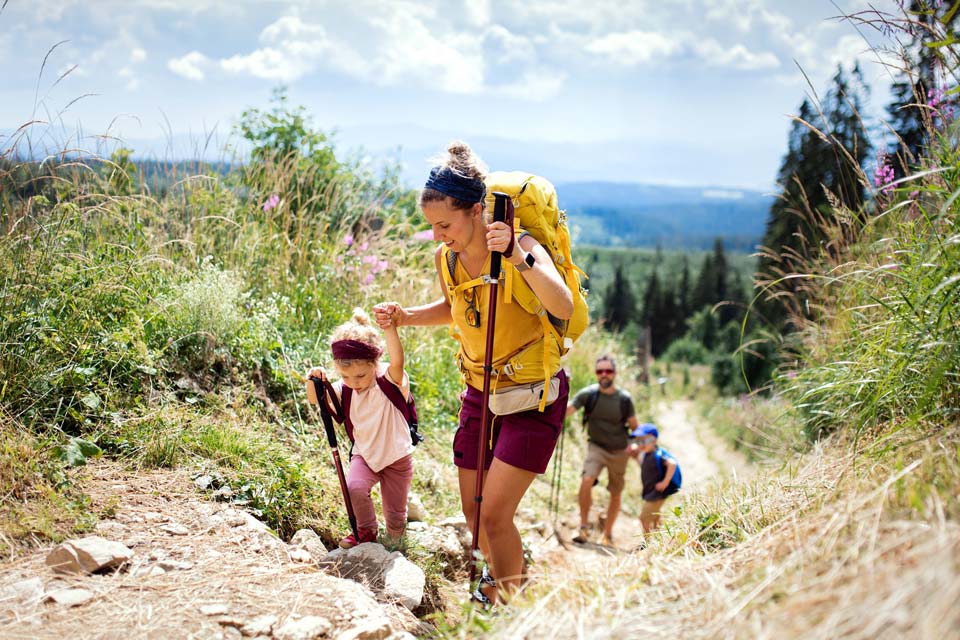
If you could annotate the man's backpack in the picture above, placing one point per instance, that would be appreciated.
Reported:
(536, 213)
(408, 408)
(677, 479)
(594, 397)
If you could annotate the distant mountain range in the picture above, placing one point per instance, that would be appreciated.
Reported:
(643, 215)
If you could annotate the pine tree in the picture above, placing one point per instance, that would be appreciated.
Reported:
(620, 305)
(908, 119)
(684, 294)
(703, 294)
(819, 169)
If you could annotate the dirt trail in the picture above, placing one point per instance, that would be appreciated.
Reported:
(702, 454)
(200, 570)
(703, 457)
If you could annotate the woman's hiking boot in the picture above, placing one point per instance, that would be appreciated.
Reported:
(366, 535)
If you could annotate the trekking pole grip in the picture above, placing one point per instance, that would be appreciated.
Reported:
(500, 204)
(324, 412)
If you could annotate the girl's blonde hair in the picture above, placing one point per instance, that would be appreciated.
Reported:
(360, 329)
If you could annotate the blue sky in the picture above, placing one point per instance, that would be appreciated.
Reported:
(680, 92)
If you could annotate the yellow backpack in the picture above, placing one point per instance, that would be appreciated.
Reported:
(535, 212)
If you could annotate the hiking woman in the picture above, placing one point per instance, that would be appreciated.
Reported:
(521, 444)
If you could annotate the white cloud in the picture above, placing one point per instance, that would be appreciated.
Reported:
(402, 45)
(138, 55)
(190, 66)
(736, 57)
(632, 48)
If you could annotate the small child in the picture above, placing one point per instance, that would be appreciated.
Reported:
(382, 447)
(659, 473)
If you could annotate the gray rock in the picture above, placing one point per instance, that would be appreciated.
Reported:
(402, 635)
(310, 542)
(88, 555)
(462, 529)
(368, 630)
(175, 565)
(299, 555)
(404, 582)
(306, 628)
(27, 590)
(203, 482)
(389, 574)
(217, 609)
(259, 626)
(416, 512)
(443, 541)
(70, 597)
(175, 529)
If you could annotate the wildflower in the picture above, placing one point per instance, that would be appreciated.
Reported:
(884, 175)
(370, 259)
(271, 202)
(364, 246)
(423, 236)
(348, 240)
(382, 265)
(368, 279)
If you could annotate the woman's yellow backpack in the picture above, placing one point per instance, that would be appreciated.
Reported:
(536, 212)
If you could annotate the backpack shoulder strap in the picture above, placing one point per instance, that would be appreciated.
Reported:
(407, 407)
(590, 404)
(624, 409)
(396, 398)
(346, 393)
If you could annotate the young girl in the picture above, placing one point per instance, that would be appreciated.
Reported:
(382, 447)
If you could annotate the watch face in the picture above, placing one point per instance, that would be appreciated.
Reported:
(529, 259)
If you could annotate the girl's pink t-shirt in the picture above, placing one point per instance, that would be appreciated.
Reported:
(381, 435)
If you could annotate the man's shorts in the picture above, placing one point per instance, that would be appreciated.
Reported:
(525, 440)
(614, 461)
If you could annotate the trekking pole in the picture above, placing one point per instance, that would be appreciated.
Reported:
(321, 393)
(502, 211)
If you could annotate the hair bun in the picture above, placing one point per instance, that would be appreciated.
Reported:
(360, 317)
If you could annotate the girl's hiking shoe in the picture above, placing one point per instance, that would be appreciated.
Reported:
(350, 541)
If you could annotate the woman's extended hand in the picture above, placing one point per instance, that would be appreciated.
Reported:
(499, 236)
(387, 314)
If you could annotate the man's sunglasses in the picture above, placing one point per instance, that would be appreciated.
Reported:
(608, 372)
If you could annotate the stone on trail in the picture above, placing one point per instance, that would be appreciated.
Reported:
(390, 574)
(369, 630)
(70, 597)
(404, 582)
(216, 609)
(27, 590)
(175, 529)
(307, 540)
(88, 555)
(416, 512)
(259, 626)
(306, 628)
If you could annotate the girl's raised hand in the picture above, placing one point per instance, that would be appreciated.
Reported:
(317, 372)
(387, 314)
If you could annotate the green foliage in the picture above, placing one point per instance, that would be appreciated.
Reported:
(687, 350)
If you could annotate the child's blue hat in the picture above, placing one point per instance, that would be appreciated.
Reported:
(646, 429)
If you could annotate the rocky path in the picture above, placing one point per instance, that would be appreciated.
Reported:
(199, 569)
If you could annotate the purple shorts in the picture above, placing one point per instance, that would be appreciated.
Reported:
(525, 440)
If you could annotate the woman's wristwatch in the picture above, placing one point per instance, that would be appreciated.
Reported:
(527, 262)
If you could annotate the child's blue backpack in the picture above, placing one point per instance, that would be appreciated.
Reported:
(677, 479)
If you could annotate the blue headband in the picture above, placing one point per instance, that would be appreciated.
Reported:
(450, 183)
